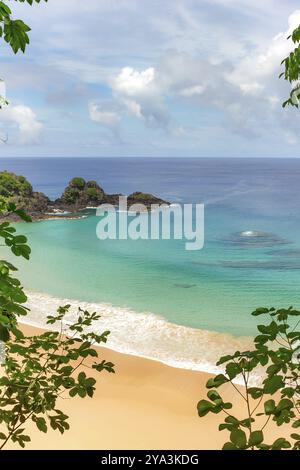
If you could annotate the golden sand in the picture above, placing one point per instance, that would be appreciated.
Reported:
(145, 405)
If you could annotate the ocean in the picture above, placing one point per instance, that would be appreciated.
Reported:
(181, 307)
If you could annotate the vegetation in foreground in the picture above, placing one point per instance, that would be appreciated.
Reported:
(277, 350)
(276, 400)
(37, 370)
(40, 370)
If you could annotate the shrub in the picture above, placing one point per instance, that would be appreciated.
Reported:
(93, 194)
(71, 195)
(13, 185)
(277, 350)
(92, 184)
(39, 370)
(77, 182)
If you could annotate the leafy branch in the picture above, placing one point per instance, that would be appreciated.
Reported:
(276, 350)
(14, 32)
(39, 370)
(292, 70)
(12, 295)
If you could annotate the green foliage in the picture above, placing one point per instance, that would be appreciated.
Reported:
(292, 70)
(139, 196)
(71, 195)
(14, 32)
(92, 184)
(81, 192)
(39, 370)
(13, 185)
(92, 194)
(12, 296)
(78, 183)
(17, 190)
(277, 399)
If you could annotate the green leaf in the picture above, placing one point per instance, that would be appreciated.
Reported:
(238, 438)
(269, 407)
(204, 407)
(224, 359)
(281, 443)
(213, 395)
(217, 381)
(273, 384)
(229, 446)
(260, 311)
(233, 370)
(73, 392)
(284, 404)
(255, 392)
(41, 425)
(256, 438)
(4, 334)
(81, 378)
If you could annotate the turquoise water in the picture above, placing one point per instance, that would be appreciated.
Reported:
(214, 289)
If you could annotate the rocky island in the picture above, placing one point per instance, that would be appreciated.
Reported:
(77, 196)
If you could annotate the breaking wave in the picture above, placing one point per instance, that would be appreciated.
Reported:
(146, 334)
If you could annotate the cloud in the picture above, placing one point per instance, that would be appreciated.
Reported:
(142, 95)
(29, 128)
(192, 73)
(256, 72)
(107, 115)
(107, 118)
(192, 90)
(245, 91)
(131, 82)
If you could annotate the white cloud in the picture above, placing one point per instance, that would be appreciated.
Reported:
(142, 94)
(25, 119)
(170, 65)
(134, 107)
(131, 82)
(192, 90)
(107, 118)
(254, 73)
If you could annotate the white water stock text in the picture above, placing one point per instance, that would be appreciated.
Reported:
(157, 222)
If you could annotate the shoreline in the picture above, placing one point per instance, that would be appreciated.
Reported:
(144, 405)
(144, 334)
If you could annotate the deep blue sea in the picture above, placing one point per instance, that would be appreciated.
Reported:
(154, 291)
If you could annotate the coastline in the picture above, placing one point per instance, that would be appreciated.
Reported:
(145, 405)
(145, 335)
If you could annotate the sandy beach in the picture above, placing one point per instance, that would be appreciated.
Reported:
(145, 405)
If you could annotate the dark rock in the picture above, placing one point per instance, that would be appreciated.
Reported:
(145, 199)
(78, 195)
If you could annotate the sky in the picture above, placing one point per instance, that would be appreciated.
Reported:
(150, 78)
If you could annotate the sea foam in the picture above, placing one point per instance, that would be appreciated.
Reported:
(145, 334)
